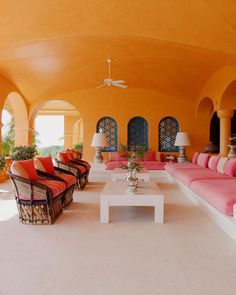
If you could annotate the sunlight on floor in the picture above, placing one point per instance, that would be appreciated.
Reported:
(7, 209)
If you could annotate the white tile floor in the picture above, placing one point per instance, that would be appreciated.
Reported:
(188, 254)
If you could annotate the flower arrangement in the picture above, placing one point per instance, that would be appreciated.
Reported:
(134, 155)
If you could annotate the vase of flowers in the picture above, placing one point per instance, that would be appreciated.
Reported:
(133, 156)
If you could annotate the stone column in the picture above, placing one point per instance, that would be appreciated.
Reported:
(225, 129)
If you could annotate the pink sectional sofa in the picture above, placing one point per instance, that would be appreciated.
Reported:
(149, 162)
(211, 178)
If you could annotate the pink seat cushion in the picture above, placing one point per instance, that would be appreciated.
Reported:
(69, 179)
(57, 187)
(171, 167)
(153, 165)
(47, 164)
(230, 167)
(219, 193)
(149, 156)
(188, 176)
(194, 158)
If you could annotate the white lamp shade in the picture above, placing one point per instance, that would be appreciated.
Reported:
(182, 139)
(99, 140)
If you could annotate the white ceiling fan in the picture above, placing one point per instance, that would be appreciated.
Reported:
(109, 81)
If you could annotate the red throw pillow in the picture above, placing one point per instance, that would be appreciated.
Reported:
(48, 164)
(150, 156)
(71, 155)
(64, 157)
(28, 166)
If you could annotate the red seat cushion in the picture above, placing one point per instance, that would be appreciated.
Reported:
(57, 187)
(82, 169)
(69, 179)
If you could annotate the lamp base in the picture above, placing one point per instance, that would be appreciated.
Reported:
(98, 158)
(182, 156)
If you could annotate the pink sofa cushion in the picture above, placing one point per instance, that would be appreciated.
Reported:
(202, 160)
(213, 162)
(194, 158)
(153, 165)
(25, 169)
(171, 167)
(221, 164)
(230, 167)
(150, 156)
(121, 156)
(190, 175)
(219, 193)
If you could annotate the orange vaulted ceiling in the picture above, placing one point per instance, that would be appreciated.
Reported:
(49, 47)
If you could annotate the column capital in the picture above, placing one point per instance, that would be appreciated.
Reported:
(225, 113)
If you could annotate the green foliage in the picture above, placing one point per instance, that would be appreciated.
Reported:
(78, 146)
(2, 162)
(136, 151)
(23, 152)
(50, 150)
(8, 138)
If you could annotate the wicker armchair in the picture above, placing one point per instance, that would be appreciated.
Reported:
(78, 170)
(45, 168)
(39, 200)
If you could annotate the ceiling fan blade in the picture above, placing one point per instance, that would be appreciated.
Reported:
(120, 85)
(119, 81)
(102, 85)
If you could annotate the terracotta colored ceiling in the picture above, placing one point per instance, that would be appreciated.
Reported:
(49, 47)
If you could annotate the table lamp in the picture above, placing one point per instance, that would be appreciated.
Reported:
(182, 140)
(99, 141)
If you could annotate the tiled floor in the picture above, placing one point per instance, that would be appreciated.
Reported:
(132, 255)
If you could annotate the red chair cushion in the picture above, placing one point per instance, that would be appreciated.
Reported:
(69, 179)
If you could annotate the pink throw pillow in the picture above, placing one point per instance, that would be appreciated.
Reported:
(121, 156)
(230, 167)
(194, 158)
(202, 160)
(213, 161)
(150, 156)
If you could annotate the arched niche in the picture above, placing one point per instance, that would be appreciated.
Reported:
(109, 126)
(167, 130)
(138, 132)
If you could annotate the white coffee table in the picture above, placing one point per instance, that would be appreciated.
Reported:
(120, 174)
(116, 194)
